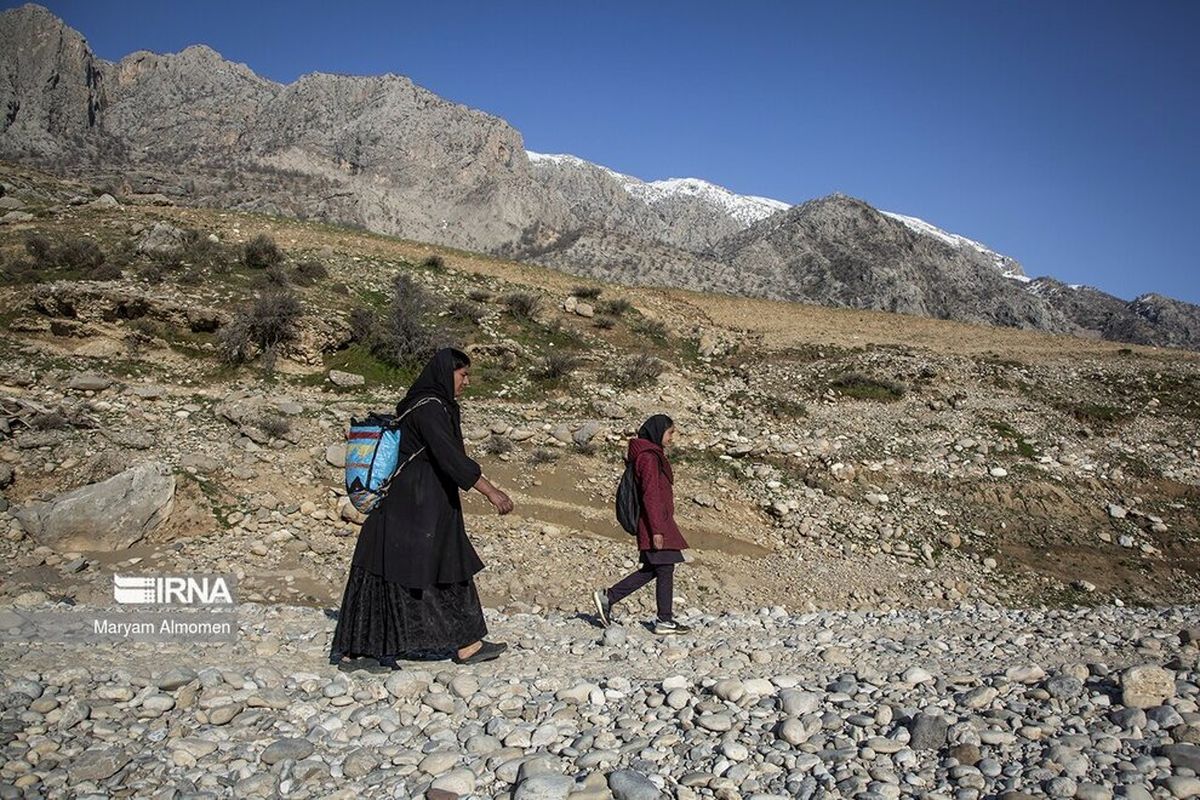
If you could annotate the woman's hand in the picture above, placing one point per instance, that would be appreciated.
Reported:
(496, 497)
(501, 501)
(657, 541)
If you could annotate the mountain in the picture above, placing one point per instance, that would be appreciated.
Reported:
(51, 89)
(1007, 266)
(383, 153)
(840, 251)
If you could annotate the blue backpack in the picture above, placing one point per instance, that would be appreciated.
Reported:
(372, 453)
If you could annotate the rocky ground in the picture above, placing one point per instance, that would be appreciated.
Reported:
(967, 703)
(902, 492)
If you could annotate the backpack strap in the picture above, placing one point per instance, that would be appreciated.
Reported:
(383, 488)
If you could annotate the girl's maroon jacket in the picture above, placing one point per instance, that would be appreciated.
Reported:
(658, 501)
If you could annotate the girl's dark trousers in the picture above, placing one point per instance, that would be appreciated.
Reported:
(664, 587)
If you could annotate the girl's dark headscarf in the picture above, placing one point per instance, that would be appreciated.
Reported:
(437, 380)
(654, 428)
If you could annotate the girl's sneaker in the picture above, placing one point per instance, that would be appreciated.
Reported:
(603, 607)
(669, 627)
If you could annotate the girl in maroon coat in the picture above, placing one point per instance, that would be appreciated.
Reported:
(658, 537)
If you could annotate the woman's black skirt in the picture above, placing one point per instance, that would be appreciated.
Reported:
(383, 619)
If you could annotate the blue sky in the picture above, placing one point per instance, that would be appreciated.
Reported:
(1064, 134)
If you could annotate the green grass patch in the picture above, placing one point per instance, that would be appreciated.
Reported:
(1007, 431)
(542, 338)
(707, 460)
(1099, 414)
(374, 298)
(361, 361)
(860, 386)
(784, 407)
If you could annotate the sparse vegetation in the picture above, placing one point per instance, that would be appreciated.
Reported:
(860, 386)
(105, 272)
(309, 273)
(364, 324)
(556, 366)
(1098, 414)
(261, 252)
(1024, 447)
(522, 306)
(743, 413)
(78, 258)
(433, 261)
(634, 371)
(784, 407)
(202, 252)
(39, 248)
(79, 254)
(405, 337)
(267, 324)
(273, 276)
(615, 308)
(466, 311)
(649, 328)
(497, 445)
(275, 425)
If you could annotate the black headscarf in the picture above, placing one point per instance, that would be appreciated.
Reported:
(437, 380)
(654, 428)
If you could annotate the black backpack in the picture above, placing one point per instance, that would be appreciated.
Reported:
(629, 500)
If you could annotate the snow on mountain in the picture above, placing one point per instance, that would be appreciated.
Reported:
(746, 209)
(1007, 266)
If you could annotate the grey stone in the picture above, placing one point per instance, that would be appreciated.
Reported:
(89, 381)
(927, 732)
(1146, 686)
(627, 784)
(174, 678)
(1183, 788)
(361, 761)
(97, 764)
(458, 781)
(797, 703)
(1182, 755)
(544, 787)
(261, 785)
(345, 380)
(615, 636)
(162, 237)
(1064, 687)
(288, 748)
(111, 515)
(715, 722)
(587, 432)
(224, 714)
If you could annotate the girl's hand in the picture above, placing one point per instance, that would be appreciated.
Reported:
(501, 501)
(657, 541)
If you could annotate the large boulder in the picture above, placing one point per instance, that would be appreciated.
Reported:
(110, 515)
(162, 238)
(1146, 686)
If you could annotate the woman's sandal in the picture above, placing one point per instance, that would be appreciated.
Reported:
(486, 652)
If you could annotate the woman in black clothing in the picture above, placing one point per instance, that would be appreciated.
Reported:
(411, 584)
